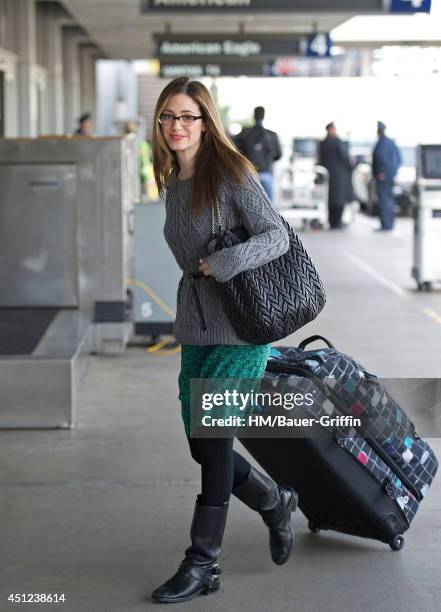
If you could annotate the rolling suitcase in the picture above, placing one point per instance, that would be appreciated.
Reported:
(368, 482)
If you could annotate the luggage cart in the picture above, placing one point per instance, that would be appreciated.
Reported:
(303, 195)
(427, 218)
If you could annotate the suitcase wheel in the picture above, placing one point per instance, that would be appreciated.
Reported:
(397, 542)
(313, 527)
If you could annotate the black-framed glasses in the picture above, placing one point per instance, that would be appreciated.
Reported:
(168, 119)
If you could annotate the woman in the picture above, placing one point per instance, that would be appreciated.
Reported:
(205, 177)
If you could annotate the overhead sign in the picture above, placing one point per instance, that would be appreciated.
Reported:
(318, 45)
(410, 6)
(226, 46)
(310, 6)
(326, 6)
(193, 70)
(276, 67)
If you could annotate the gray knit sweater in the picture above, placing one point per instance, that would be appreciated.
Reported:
(189, 236)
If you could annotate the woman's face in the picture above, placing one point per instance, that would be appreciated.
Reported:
(181, 137)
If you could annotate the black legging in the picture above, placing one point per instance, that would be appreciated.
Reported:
(222, 468)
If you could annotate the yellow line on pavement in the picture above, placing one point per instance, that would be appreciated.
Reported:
(389, 284)
(432, 314)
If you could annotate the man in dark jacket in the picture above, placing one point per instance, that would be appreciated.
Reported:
(385, 163)
(334, 156)
(261, 147)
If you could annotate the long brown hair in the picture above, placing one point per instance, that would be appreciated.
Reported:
(217, 156)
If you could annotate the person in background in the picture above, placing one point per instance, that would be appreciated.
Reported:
(147, 174)
(146, 177)
(262, 148)
(385, 164)
(85, 126)
(334, 156)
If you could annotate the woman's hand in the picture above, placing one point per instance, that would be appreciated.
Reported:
(205, 268)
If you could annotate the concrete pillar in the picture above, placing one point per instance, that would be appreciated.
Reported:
(88, 58)
(51, 19)
(26, 48)
(8, 65)
(72, 39)
(366, 62)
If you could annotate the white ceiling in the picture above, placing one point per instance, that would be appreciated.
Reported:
(120, 30)
(405, 29)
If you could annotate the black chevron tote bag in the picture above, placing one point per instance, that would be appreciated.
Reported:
(276, 299)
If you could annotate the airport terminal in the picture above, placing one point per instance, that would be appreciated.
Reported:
(332, 289)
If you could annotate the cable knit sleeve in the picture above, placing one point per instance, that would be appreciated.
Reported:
(268, 236)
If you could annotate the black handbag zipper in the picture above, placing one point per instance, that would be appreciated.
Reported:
(388, 460)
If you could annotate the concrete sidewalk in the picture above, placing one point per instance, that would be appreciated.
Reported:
(102, 513)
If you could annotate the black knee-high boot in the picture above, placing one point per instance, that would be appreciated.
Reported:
(274, 503)
(199, 571)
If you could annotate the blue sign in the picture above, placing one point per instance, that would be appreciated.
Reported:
(318, 45)
(410, 6)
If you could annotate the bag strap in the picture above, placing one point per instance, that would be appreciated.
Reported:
(313, 339)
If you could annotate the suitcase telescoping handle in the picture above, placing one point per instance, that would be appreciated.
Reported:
(313, 339)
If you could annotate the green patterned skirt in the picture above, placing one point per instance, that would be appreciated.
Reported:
(226, 361)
